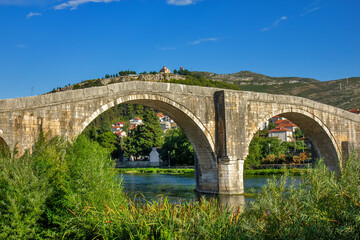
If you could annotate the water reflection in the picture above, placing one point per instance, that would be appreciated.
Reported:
(233, 202)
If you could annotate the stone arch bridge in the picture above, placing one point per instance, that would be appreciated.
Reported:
(219, 123)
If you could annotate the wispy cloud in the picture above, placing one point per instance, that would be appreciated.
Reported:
(21, 46)
(310, 11)
(166, 48)
(73, 4)
(314, 6)
(33, 14)
(275, 24)
(181, 2)
(196, 42)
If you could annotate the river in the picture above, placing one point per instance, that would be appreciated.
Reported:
(179, 187)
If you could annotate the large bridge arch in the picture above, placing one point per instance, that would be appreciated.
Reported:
(316, 130)
(197, 133)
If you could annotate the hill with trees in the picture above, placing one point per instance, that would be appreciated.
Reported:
(342, 93)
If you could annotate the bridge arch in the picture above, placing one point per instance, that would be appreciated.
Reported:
(194, 129)
(323, 140)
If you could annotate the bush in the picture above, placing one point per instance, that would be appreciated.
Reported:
(40, 192)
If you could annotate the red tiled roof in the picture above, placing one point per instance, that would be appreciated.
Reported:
(357, 111)
(280, 129)
(160, 115)
(285, 123)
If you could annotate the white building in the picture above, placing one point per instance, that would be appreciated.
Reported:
(282, 133)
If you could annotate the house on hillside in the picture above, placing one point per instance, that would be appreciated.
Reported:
(286, 124)
(356, 111)
(276, 118)
(118, 129)
(165, 121)
(134, 122)
(282, 133)
(121, 134)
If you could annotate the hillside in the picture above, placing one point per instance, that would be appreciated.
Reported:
(342, 93)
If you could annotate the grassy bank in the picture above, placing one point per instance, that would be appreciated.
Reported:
(156, 170)
(265, 172)
(71, 191)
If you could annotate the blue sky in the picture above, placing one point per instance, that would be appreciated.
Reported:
(46, 44)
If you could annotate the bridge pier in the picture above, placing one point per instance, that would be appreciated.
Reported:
(231, 176)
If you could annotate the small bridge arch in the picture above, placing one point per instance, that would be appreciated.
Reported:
(324, 142)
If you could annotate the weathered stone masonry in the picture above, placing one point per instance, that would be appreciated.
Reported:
(219, 123)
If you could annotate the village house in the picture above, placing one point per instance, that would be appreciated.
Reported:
(118, 129)
(134, 122)
(356, 111)
(286, 124)
(274, 119)
(282, 133)
(165, 121)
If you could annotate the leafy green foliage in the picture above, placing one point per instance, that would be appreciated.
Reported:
(121, 73)
(108, 141)
(198, 80)
(179, 146)
(39, 192)
(271, 150)
(144, 137)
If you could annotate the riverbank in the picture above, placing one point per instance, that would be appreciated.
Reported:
(256, 172)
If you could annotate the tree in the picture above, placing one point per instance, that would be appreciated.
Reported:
(179, 146)
(298, 133)
(175, 71)
(255, 152)
(108, 141)
(144, 137)
(139, 109)
(104, 127)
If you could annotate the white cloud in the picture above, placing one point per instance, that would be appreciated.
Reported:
(196, 42)
(181, 2)
(275, 24)
(33, 14)
(73, 4)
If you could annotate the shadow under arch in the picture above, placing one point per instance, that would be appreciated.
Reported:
(324, 142)
(4, 147)
(199, 136)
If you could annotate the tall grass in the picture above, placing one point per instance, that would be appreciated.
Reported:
(71, 191)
